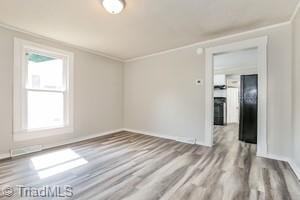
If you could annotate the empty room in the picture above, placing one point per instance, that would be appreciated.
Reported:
(150, 100)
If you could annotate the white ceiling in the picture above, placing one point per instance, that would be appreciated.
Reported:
(146, 26)
(240, 59)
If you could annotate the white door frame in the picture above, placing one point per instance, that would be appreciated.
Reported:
(261, 45)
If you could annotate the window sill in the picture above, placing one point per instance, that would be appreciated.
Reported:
(37, 134)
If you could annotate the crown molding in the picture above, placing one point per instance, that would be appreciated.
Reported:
(206, 42)
(12, 28)
(295, 12)
(220, 38)
(202, 43)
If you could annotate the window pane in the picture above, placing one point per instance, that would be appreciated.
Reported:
(45, 109)
(44, 72)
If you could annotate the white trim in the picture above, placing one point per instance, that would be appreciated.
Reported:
(83, 138)
(261, 45)
(295, 12)
(25, 150)
(201, 143)
(295, 168)
(292, 164)
(12, 28)
(207, 42)
(4, 156)
(67, 142)
(20, 131)
(209, 73)
(176, 138)
(273, 157)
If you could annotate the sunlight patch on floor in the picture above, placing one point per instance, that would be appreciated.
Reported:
(57, 162)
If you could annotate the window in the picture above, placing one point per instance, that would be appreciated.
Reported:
(42, 91)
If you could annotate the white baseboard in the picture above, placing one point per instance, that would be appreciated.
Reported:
(292, 164)
(70, 141)
(176, 138)
(4, 156)
(25, 150)
(273, 157)
(80, 139)
(201, 143)
(295, 168)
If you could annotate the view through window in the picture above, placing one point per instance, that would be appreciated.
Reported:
(45, 91)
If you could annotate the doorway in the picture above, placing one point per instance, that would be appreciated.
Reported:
(235, 96)
(260, 46)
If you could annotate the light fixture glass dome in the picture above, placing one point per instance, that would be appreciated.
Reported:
(113, 6)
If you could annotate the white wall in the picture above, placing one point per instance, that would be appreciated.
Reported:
(238, 59)
(161, 95)
(296, 90)
(98, 94)
(220, 79)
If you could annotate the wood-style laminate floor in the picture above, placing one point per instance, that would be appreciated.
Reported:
(139, 167)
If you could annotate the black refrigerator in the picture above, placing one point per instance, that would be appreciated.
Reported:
(248, 109)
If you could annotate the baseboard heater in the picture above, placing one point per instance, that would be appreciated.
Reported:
(25, 150)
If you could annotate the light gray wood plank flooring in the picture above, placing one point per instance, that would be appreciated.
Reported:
(139, 167)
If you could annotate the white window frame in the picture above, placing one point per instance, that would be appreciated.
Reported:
(20, 130)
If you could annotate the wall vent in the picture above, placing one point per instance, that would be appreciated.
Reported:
(25, 150)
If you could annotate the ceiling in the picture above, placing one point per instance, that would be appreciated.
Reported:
(239, 59)
(145, 26)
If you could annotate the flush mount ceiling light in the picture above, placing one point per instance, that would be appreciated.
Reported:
(113, 6)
